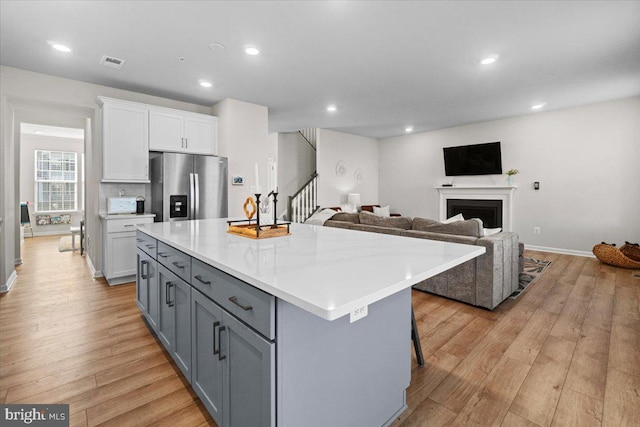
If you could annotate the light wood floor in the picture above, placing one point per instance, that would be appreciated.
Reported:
(567, 352)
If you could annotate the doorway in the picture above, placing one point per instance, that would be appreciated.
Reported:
(52, 181)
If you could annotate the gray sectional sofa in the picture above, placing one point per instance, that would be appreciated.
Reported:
(485, 281)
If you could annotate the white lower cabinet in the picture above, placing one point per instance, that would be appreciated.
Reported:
(119, 248)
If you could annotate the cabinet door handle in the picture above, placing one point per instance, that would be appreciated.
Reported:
(139, 240)
(177, 264)
(186, 143)
(220, 356)
(144, 275)
(199, 279)
(215, 325)
(234, 299)
(130, 225)
(162, 254)
(150, 246)
(167, 293)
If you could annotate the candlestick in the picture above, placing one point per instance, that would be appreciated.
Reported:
(275, 177)
(257, 175)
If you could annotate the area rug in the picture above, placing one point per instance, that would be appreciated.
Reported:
(533, 269)
(64, 245)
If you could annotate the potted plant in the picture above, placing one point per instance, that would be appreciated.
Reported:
(510, 174)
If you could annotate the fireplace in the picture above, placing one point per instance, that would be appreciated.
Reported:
(489, 211)
(486, 193)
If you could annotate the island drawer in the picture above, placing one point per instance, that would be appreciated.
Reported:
(251, 305)
(146, 243)
(178, 262)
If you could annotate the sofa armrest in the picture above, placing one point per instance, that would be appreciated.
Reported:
(497, 273)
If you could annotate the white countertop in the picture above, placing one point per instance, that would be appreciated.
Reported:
(126, 216)
(326, 271)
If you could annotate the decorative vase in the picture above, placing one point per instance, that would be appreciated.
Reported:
(510, 180)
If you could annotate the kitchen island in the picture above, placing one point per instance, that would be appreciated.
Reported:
(307, 329)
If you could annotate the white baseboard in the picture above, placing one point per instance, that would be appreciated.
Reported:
(559, 251)
(94, 273)
(50, 233)
(7, 286)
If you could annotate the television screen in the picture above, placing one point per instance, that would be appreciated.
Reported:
(478, 159)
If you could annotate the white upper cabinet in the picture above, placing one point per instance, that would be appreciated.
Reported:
(125, 141)
(180, 131)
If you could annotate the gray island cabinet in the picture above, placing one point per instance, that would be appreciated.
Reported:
(288, 331)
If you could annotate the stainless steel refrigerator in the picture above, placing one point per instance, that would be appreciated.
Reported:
(188, 186)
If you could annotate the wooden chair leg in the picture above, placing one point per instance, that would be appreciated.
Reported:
(416, 339)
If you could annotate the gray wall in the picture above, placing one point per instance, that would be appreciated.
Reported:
(585, 158)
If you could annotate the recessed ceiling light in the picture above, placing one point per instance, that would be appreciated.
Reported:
(205, 83)
(251, 50)
(538, 106)
(408, 129)
(489, 60)
(59, 46)
(37, 132)
(331, 108)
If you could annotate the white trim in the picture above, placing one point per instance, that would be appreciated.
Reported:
(7, 286)
(94, 273)
(559, 251)
(52, 232)
(497, 192)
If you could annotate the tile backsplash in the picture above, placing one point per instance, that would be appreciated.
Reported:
(114, 189)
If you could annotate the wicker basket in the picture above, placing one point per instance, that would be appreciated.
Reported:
(612, 256)
(631, 250)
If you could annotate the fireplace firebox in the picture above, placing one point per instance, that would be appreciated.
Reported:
(489, 211)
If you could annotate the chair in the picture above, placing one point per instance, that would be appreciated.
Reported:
(25, 217)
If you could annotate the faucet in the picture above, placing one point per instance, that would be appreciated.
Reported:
(122, 192)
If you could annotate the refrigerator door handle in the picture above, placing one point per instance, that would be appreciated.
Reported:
(197, 195)
(192, 202)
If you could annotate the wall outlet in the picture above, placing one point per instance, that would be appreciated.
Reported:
(358, 313)
(536, 230)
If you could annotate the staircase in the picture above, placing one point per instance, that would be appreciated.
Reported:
(305, 202)
(310, 135)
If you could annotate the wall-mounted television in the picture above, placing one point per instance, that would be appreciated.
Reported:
(477, 159)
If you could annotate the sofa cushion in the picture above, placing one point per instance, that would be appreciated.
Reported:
(421, 224)
(380, 221)
(470, 227)
(346, 217)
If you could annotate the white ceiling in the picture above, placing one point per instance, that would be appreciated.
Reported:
(385, 65)
(55, 131)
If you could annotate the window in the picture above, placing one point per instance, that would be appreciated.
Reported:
(56, 181)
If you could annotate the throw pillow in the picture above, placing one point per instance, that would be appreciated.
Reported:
(320, 217)
(490, 231)
(471, 227)
(402, 222)
(383, 211)
(453, 219)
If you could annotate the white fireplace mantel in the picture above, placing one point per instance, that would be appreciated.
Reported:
(485, 192)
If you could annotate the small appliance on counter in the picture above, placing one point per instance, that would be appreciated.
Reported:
(139, 205)
(121, 205)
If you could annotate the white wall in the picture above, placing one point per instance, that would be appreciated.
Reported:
(357, 153)
(296, 164)
(24, 94)
(29, 143)
(243, 137)
(587, 160)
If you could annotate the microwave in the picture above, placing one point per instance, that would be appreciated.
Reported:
(121, 205)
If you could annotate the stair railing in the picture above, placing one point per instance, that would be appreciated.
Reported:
(310, 135)
(305, 202)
